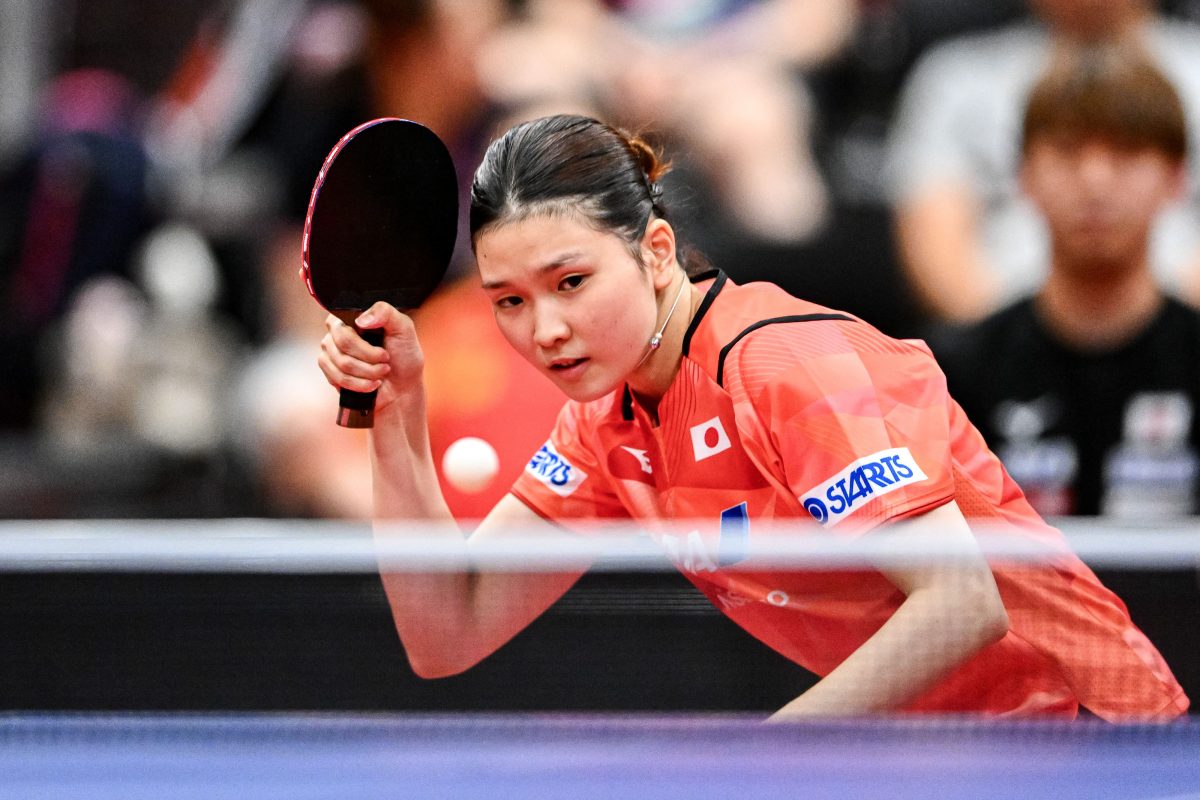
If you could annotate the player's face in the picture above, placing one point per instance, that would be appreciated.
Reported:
(1099, 199)
(571, 299)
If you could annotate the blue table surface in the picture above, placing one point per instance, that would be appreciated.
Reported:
(282, 755)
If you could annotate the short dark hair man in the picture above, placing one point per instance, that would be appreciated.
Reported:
(1088, 389)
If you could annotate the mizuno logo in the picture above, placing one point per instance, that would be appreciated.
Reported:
(642, 459)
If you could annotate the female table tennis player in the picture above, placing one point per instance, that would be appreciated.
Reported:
(693, 397)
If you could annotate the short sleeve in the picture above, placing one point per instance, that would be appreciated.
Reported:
(563, 480)
(860, 425)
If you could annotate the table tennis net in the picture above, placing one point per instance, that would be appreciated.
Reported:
(245, 614)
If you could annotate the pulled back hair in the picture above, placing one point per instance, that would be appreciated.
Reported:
(1114, 92)
(573, 165)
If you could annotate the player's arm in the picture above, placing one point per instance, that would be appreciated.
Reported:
(448, 621)
(451, 621)
(951, 612)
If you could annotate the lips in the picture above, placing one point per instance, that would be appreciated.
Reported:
(568, 367)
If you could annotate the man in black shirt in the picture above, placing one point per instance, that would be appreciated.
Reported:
(1088, 390)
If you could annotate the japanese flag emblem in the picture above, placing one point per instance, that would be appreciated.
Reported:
(709, 438)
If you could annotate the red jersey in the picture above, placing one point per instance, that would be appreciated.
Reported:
(783, 409)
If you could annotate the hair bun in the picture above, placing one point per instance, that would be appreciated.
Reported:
(649, 159)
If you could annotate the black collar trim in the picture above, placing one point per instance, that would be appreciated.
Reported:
(773, 321)
(705, 304)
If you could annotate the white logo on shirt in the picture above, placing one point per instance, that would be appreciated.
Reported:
(709, 438)
(641, 457)
(551, 468)
(868, 477)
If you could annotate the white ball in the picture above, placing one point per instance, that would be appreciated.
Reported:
(470, 464)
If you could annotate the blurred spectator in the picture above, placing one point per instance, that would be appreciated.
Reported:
(720, 79)
(968, 238)
(24, 62)
(352, 62)
(725, 84)
(283, 410)
(147, 363)
(1088, 390)
(72, 208)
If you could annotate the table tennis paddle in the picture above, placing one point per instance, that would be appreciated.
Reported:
(381, 225)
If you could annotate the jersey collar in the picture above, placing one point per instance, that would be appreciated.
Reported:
(719, 279)
(705, 304)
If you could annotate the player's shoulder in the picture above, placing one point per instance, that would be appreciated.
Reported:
(731, 313)
(730, 309)
(754, 333)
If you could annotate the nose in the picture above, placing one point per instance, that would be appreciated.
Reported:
(550, 326)
(1096, 164)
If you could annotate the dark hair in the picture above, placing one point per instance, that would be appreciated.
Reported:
(1112, 91)
(570, 164)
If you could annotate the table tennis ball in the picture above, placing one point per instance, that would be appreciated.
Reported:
(470, 464)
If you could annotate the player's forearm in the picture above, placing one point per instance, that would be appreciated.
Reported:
(434, 614)
(447, 620)
(449, 623)
(431, 611)
(405, 479)
(935, 630)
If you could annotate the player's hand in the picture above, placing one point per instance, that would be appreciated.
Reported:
(350, 362)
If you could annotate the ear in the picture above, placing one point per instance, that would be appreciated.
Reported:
(658, 252)
(1179, 182)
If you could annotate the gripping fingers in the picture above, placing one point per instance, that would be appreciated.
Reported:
(349, 371)
(335, 369)
(348, 341)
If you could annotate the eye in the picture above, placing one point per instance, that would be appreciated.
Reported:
(508, 302)
(571, 282)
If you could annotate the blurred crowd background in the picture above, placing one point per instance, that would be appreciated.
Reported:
(157, 349)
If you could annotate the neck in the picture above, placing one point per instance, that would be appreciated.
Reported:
(1094, 312)
(650, 381)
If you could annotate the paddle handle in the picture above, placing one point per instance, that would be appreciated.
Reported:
(357, 409)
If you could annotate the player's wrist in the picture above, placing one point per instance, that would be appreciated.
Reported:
(403, 408)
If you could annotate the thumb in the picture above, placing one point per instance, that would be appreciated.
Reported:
(380, 315)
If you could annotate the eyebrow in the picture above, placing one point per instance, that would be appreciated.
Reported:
(553, 264)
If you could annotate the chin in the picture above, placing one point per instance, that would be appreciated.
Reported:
(586, 391)
(586, 394)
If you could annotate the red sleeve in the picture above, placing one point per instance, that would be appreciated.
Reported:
(563, 480)
(858, 421)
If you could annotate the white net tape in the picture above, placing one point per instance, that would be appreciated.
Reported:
(259, 545)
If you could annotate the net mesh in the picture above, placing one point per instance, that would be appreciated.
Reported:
(292, 615)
